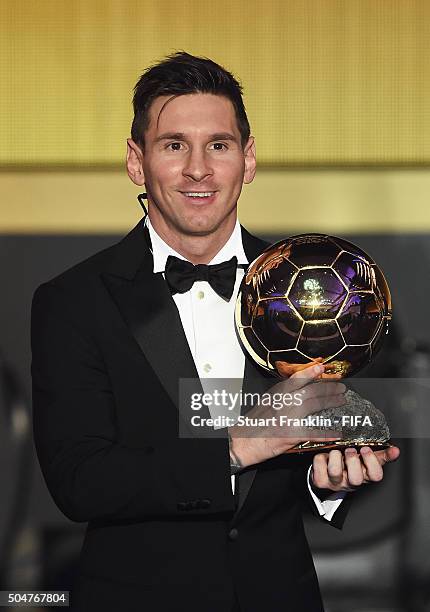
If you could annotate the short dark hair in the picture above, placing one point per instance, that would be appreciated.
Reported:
(179, 74)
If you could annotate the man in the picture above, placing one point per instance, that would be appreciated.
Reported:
(111, 339)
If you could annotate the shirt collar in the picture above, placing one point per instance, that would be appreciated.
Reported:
(161, 250)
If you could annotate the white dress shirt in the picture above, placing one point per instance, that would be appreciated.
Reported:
(208, 322)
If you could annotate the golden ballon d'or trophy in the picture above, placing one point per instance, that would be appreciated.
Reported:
(317, 298)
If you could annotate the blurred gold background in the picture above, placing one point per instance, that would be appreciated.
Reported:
(337, 93)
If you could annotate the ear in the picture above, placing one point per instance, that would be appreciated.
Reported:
(250, 161)
(135, 163)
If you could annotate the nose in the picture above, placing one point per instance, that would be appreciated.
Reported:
(197, 166)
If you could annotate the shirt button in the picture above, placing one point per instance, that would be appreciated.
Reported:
(233, 534)
(207, 367)
(200, 295)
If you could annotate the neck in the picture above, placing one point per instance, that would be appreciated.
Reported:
(198, 249)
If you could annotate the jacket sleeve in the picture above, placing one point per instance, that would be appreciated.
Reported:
(90, 473)
(302, 484)
(327, 505)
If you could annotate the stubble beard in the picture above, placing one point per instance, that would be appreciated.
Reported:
(192, 226)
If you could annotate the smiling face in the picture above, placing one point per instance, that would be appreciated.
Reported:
(193, 166)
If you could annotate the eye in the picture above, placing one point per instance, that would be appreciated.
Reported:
(219, 146)
(174, 146)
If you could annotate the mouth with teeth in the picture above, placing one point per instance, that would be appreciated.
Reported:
(199, 196)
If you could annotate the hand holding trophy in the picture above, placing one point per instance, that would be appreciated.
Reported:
(312, 299)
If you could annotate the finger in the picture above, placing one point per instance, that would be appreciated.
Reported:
(393, 453)
(309, 408)
(319, 471)
(334, 376)
(299, 379)
(311, 372)
(335, 467)
(354, 468)
(324, 394)
(317, 396)
(323, 389)
(315, 405)
(375, 473)
(290, 369)
(389, 454)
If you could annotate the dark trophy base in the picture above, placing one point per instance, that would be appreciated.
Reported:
(364, 425)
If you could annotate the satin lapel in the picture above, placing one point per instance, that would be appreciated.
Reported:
(254, 379)
(152, 317)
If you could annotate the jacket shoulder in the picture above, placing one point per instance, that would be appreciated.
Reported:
(83, 271)
(252, 245)
(88, 271)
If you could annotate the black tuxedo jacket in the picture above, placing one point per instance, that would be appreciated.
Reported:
(164, 530)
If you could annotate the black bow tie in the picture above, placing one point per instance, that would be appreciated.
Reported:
(181, 275)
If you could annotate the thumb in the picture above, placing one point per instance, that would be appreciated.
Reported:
(302, 375)
(288, 370)
(312, 372)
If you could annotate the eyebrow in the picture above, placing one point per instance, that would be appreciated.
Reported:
(181, 136)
